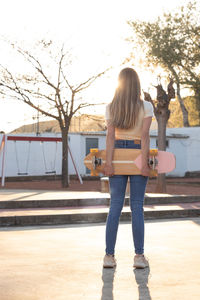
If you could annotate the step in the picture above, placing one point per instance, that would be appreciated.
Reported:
(46, 200)
(91, 214)
(105, 184)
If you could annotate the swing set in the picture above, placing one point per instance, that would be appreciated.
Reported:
(29, 139)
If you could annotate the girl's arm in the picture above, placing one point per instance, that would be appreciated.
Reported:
(110, 139)
(145, 144)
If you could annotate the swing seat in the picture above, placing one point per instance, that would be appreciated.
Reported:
(22, 173)
(27, 160)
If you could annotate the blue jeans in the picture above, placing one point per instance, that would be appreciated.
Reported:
(117, 185)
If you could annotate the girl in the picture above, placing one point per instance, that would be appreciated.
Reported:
(128, 120)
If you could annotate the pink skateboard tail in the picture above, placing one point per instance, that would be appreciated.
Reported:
(166, 162)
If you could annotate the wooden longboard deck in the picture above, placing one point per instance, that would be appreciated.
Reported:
(129, 161)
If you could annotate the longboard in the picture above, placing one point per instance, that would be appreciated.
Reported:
(129, 161)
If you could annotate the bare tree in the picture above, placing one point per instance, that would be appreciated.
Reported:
(162, 114)
(59, 98)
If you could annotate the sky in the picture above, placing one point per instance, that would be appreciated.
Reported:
(95, 32)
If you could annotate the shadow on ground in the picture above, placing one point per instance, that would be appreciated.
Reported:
(141, 278)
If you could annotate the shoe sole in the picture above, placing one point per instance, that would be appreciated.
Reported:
(140, 267)
(109, 267)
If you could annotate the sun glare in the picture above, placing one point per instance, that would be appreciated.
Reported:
(94, 31)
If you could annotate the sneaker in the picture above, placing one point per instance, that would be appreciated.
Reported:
(109, 261)
(140, 262)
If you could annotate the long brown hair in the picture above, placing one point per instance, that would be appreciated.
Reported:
(126, 104)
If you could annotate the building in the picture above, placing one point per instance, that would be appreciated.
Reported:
(34, 158)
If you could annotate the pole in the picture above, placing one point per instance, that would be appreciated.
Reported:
(3, 145)
(77, 173)
(38, 122)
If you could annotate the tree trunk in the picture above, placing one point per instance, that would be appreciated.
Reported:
(162, 113)
(183, 108)
(197, 98)
(162, 116)
(65, 175)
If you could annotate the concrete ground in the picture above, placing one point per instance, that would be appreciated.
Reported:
(65, 263)
(29, 195)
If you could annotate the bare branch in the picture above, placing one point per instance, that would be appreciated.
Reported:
(147, 97)
(59, 68)
(39, 95)
(17, 90)
(88, 82)
(82, 105)
(30, 58)
(72, 105)
(60, 107)
(65, 79)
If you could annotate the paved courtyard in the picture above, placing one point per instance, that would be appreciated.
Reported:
(65, 262)
(177, 185)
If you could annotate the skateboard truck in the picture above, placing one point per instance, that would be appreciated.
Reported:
(153, 162)
(95, 162)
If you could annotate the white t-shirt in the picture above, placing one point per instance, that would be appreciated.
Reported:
(136, 131)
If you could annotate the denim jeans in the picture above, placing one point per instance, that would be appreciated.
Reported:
(117, 185)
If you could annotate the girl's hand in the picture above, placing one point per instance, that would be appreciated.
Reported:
(108, 170)
(145, 171)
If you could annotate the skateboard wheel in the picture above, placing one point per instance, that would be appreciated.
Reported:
(94, 150)
(153, 173)
(94, 173)
(153, 151)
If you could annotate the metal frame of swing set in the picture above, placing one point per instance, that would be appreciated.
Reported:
(30, 139)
